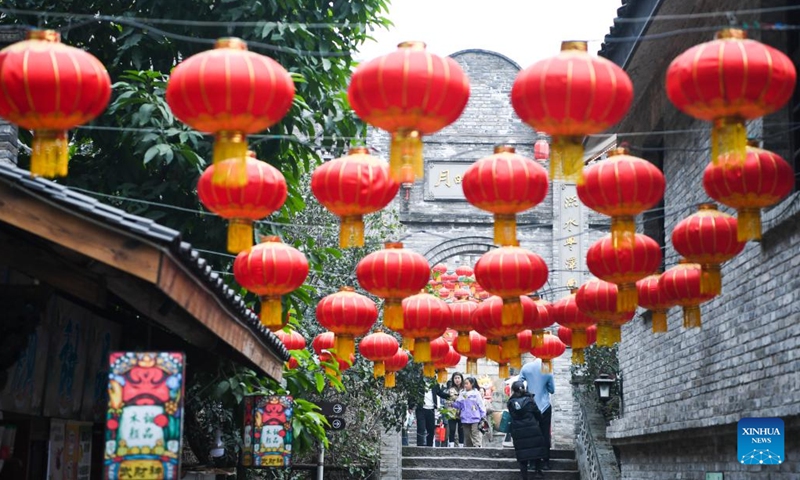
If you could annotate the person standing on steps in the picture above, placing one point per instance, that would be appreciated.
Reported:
(541, 385)
(529, 442)
(470, 402)
(454, 388)
(426, 414)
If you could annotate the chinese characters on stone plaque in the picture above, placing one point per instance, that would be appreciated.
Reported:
(568, 235)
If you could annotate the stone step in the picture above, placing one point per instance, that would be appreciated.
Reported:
(476, 452)
(479, 463)
(496, 474)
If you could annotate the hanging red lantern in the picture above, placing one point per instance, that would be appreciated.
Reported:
(461, 321)
(681, 286)
(727, 81)
(378, 348)
(450, 360)
(541, 150)
(568, 96)
(393, 274)
(598, 299)
(444, 293)
(761, 181)
(628, 262)
(409, 93)
(536, 322)
(439, 349)
(438, 270)
(394, 365)
(525, 340)
(567, 314)
(505, 184)
(464, 271)
(49, 87)
(231, 93)
(488, 321)
(510, 272)
(264, 193)
(708, 237)
(477, 349)
(622, 186)
(425, 317)
(347, 314)
(292, 340)
(271, 269)
(550, 348)
(351, 187)
(565, 335)
(653, 298)
(322, 344)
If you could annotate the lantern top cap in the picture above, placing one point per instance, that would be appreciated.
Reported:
(347, 289)
(231, 42)
(270, 239)
(392, 245)
(755, 143)
(575, 45)
(618, 151)
(573, 290)
(358, 151)
(251, 154)
(731, 34)
(504, 149)
(43, 35)
(412, 44)
(707, 206)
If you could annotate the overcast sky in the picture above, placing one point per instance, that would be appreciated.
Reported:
(524, 30)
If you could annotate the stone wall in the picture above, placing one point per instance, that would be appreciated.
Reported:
(391, 456)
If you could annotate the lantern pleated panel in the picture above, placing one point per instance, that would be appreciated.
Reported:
(49, 87)
(450, 360)
(567, 314)
(550, 348)
(398, 362)
(351, 187)
(681, 285)
(505, 184)
(269, 270)
(461, 321)
(624, 265)
(348, 315)
(231, 93)
(425, 318)
(378, 348)
(727, 81)
(409, 93)
(464, 271)
(539, 321)
(653, 298)
(622, 186)
(439, 349)
(598, 299)
(477, 349)
(565, 335)
(488, 321)
(323, 344)
(510, 272)
(264, 193)
(393, 274)
(708, 237)
(568, 96)
(762, 180)
(292, 340)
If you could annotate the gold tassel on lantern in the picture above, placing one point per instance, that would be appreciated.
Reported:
(422, 351)
(393, 314)
(227, 146)
(623, 231)
(379, 369)
(351, 231)
(566, 159)
(616, 334)
(406, 149)
(50, 153)
(604, 335)
(627, 297)
(345, 346)
(547, 366)
(512, 312)
(389, 380)
(408, 343)
(505, 229)
(240, 235)
(748, 226)
(515, 362)
(472, 366)
(502, 370)
(711, 279)
(728, 141)
(659, 321)
(691, 317)
(579, 339)
(462, 342)
(577, 356)
(537, 339)
(428, 370)
(441, 375)
(511, 347)
(492, 350)
(271, 312)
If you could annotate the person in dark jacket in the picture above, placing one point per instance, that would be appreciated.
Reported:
(529, 443)
(425, 411)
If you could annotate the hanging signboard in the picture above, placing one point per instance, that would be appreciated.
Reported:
(267, 431)
(145, 416)
(568, 233)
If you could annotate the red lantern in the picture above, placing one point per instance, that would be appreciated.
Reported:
(269, 270)
(681, 286)
(622, 187)
(461, 321)
(568, 96)
(378, 348)
(565, 335)
(322, 344)
(727, 81)
(464, 271)
(525, 340)
(444, 293)
(393, 365)
(425, 317)
(347, 314)
(550, 348)
(393, 274)
(351, 187)
(450, 360)
(230, 92)
(510, 272)
(541, 150)
(477, 349)
(439, 349)
(598, 299)
(762, 180)
(505, 184)
(567, 314)
(438, 270)
(624, 265)
(264, 192)
(49, 87)
(536, 322)
(488, 322)
(292, 341)
(708, 237)
(409, 93)
(653, 298)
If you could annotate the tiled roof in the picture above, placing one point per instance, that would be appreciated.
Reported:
(151, 231)
(620, 51)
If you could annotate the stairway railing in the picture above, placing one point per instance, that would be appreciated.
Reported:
(596, 460)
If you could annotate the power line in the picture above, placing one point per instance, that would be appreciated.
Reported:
(724, 13)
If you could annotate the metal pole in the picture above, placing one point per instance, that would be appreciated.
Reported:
(321, 462)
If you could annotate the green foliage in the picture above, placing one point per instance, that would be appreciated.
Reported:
(600, 360)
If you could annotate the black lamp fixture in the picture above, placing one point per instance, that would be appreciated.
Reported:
(603, 384)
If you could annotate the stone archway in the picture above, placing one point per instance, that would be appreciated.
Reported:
(470, 245)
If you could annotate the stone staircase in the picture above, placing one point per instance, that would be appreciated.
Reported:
(436, 463)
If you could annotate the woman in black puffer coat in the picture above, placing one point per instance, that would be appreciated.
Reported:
(529, 443)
